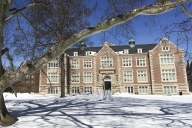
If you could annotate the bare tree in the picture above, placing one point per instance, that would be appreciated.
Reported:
(9, 78)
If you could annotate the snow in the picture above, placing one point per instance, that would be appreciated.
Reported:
(88, 111)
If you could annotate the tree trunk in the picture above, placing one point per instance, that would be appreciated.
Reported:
(62, 66)
(5, 118)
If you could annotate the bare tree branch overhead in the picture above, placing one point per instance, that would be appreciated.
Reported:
(56, 33)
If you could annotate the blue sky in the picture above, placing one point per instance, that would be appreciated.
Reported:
(145, 34)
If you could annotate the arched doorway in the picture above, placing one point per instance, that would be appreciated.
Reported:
(107, 83)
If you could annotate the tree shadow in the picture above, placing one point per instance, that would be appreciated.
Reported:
(87, 111)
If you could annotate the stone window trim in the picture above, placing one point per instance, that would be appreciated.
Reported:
(128, 61)
(106, 61)
(75, 64)
(145, 73)
(128, 75)
(87, 62)
(143, 90)
(170, 71)
(166, 48)
(87, 77)
(75, 77)
(141, 61)
(53, 77)
(53, 64)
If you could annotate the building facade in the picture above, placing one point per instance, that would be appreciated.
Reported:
(189, 74)
(30, 84)
(135, 69)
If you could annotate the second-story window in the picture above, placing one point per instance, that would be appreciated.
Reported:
(166, 59)
(106, 61)
(74, 64)
(127, 62)
(87, 64)
(53, 64)
(53, 77)
(141, 61)
(75, 78)
(87, 77)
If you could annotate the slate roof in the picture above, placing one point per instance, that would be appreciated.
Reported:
(145, 48)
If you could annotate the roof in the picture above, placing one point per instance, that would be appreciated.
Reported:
(145, 48)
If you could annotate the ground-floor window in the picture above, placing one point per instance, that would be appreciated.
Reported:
(143, 90)
(88, 89)
(129, 89)
(170, 90)
(75, 89)
(53, 90)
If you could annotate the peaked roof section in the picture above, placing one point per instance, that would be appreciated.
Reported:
(145, 48)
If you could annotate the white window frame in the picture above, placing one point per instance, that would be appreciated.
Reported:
(53, 64)
(129, 89)
(165, 48)
(53, 77)
(141, 62)
(168, 75)
(126, 51)
(143, 90)
(87, 63)
(75, 53)
(168, 90)
(75, 90)
(87, 53)
(139, 50)
(53, 90)
(166, 58)
(141, 74)
(87, 89)
(127, 62)
(128, 76)
(75, 77)
(74, 64)
(106, 61)
(87, 77)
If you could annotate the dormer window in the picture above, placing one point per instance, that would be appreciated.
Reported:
(126, 51)
(88, 53)
(139, 50)
(165, 48)
(75, 53)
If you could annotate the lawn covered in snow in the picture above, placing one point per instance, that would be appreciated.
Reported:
(87, 111)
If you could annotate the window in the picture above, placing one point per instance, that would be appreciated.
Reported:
(88, 53)
(87, 77)
(74, 64)
(75, 77)
(106, 61)
(33, 82)
(32, 77)
(75, 89)
(127, 62)
(170, 90)
(168, 75)
(53, 90)
(128, 76)
(142, 76)
(53, 77)
(166, 59)
(141, 61)
(139, 50)
(165, 48)
(53, 64)
(75, 53)
(88, 89)
(87, 63)
(27, 76)
(143, 90)
(126, 51)
(129, 90)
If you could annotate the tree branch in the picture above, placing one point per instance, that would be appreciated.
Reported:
(24, 8)
(10, 60)
(9, 78)
(185, 10)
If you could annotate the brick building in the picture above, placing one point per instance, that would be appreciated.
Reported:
(30, 82)
(137, 69)
(189, 74)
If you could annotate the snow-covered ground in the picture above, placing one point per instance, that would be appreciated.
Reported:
(87, 111)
